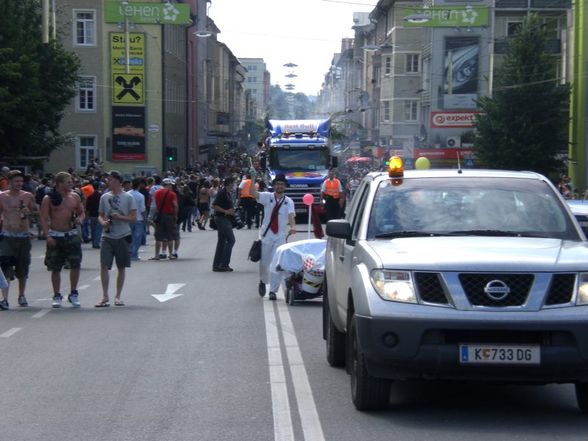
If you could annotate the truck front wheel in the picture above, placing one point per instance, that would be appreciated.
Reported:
(367, 392)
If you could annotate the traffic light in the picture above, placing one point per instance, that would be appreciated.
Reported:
(171, 153)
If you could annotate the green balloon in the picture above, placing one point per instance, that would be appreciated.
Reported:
(422, 163)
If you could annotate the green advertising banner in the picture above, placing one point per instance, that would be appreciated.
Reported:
(148, 13)
(446, 16)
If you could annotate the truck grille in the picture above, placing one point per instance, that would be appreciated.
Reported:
(430, 288)
(519, 284)
(561, 289)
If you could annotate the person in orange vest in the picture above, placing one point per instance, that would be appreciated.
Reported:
(333, 195)
(247, 200)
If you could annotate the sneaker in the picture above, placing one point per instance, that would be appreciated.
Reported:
(3, 304)
(74, 299)
(261, 288)
(228, 269)
(173, 256)
(162, 256)
(57, 298)
(272, 295)
(22, 301)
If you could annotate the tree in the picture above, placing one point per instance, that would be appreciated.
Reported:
(37, 81)
(279, 108)
(523, 126)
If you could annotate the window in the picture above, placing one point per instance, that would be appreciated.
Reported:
(513, 28)
(385, 110)
(86, 150)
(85, 28)
(85, 101)
(387, 65)
(411, 110)
(412, 63)
(252, 80)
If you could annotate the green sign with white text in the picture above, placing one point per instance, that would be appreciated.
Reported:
(446, 16)
(148, 13)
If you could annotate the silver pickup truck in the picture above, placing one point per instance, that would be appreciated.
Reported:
(474, 275)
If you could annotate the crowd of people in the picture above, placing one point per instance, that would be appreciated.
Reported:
(115, 214)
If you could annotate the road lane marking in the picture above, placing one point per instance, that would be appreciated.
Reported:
(309, 418)
(283, 430)
(41, 313)
(10, 332)
(80, 288)
(96, 278)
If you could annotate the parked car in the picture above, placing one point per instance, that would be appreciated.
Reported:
(456, 275)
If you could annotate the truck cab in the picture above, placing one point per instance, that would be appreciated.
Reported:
(301, 150)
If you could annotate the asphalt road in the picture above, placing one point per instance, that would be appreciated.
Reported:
(216, 362)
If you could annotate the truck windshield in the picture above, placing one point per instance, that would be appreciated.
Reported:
(298, 159)
(466, 207)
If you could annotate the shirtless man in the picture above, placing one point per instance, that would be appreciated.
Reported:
(61, 213)
(16, 206)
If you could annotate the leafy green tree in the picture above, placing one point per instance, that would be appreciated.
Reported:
(302, 106)
(279, 108)
(37, 81)
(523, 126)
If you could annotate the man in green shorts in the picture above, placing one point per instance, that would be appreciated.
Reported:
(62, 212)
(16, 206)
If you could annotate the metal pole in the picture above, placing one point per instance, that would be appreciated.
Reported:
(491, 48)
(127, 44)
(53, 20)
(45, 17)
(309, 219)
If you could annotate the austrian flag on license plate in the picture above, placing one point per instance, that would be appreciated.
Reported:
(499, 354)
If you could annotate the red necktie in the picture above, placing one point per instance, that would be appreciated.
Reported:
(274, 218)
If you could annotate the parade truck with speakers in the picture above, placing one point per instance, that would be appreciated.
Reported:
(301, 150)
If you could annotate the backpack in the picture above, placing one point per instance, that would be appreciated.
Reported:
(40, 193)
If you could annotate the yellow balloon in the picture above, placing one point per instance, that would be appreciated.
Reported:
(422, 163)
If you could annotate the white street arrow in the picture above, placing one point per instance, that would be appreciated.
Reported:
(169, 292)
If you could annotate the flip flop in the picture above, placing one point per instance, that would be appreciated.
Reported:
(102, 304)
(119, 303)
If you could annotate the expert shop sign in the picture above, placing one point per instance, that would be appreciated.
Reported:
(452, 119)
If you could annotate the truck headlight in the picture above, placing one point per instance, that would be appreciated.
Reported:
(394, 286)
(582, 298)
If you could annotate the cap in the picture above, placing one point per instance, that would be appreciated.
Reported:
(168, 181)
(115, 174)
(280, 177)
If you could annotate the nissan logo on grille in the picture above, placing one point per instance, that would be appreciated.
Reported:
(497, 290)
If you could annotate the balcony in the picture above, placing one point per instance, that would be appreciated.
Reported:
(533, 4)
(553, 46)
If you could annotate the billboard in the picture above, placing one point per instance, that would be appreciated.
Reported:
(446, 16)
(450, 119)
(148, 13)
(128, 133)
(461, 72)
(127, 88)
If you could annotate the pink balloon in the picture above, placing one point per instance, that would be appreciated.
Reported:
(308, 199)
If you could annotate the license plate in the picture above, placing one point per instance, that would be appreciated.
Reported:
(499, 354)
